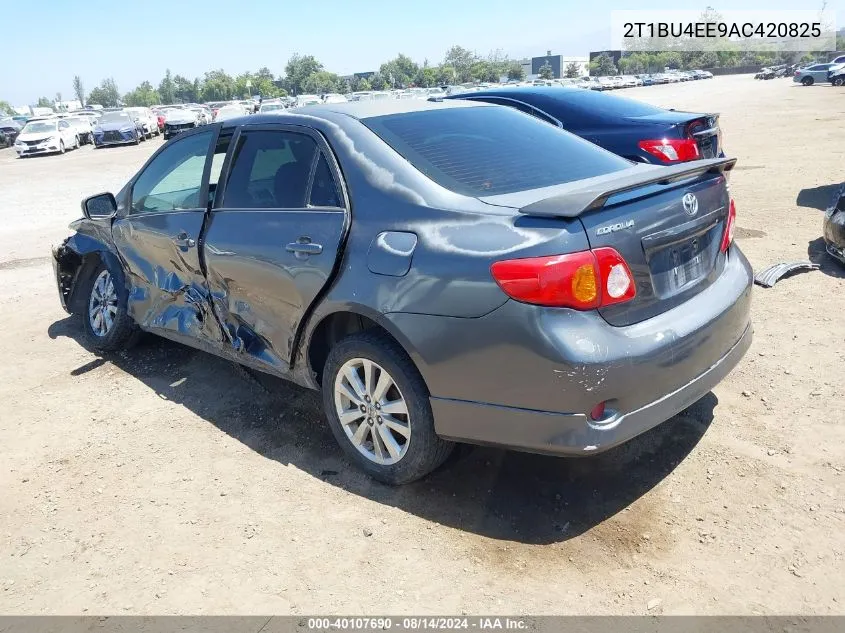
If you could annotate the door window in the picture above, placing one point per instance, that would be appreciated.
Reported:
(173, 180)
(270, 170)
(324, 191)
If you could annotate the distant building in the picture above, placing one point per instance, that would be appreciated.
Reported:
(531, 66)
(614, 55)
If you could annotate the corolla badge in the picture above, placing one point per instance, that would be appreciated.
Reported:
(690, 203)
(612, 228)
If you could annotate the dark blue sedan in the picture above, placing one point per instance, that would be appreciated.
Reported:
(629, 128)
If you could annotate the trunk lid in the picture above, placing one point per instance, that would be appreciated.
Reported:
(666, 222)
(704, 128)
(669, 234)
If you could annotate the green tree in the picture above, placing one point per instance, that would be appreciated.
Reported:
(461, 59)
(363, 84)
(44, 102)
(79, 89)
(6, 108)
(516, 72)
(144, 95)
(106, 94)
(217, 86)
(264, 83)
(166, 88)
(603, 65)
(379, 82)
(446, 75)
(298, 69)
(320, 83)
(546, 71)
(572, 70)
(400, 71)
(426, 77)
(184, 90)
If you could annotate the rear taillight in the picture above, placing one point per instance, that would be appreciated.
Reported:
(584, 280)
(672, 150)
(728, 237)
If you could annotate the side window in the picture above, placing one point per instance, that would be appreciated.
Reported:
(217, 164)
(172, 181)
(64, 125)
(324, 191)
(270, 170)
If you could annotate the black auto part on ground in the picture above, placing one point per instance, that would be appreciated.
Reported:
(833, 229)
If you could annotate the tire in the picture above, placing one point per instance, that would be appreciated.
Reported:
(122, 332)
(807, 81)
(423, 450)
(61, 147)
(77, 144)
(137, 137)
(838, 81)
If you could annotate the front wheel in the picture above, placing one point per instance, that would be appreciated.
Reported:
(379, 411)
(838, 81)
(137, 137)
(61, 147)
(108, 326)
(807, 81)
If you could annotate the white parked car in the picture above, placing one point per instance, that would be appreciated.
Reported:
(148, 120)
(46, 136)
(333, 97)
(272, 107)
(231, 111)
(204, 116)
(84, 128)
(304, 100)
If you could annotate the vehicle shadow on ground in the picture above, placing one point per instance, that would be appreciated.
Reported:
(817, 197)
(817, 254)
(496, 493)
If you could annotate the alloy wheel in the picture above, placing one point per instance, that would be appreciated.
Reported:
(372, 411)
(102, 305)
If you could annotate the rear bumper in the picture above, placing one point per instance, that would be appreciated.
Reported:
(527, 377)
(574, 433)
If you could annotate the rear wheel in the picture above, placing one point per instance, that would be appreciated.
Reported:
(807, 81)
(379, 411)
(108, 326)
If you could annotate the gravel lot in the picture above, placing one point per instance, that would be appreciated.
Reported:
(162, 481)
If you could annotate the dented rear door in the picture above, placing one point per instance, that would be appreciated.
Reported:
(157, 235)
(273, 238)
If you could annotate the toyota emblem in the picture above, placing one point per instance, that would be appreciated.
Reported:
(690, 204)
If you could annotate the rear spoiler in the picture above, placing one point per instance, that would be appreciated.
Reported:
(593, 194)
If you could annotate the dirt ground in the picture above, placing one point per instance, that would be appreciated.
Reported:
(163, 481)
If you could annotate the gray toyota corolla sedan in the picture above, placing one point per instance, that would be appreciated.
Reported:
(443, 272)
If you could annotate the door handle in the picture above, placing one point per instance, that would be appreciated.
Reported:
(303, 247)
(184, 241)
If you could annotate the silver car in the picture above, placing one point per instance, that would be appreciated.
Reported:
(817, 73)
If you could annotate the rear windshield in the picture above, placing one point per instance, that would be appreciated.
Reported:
(486, 151)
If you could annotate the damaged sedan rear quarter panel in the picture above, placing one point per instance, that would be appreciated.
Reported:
(274, 240)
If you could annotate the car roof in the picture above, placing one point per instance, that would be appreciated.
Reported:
(358, 110)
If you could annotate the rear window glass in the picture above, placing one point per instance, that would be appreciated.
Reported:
(486, 151)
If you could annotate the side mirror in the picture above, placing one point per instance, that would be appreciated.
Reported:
(100, 207)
